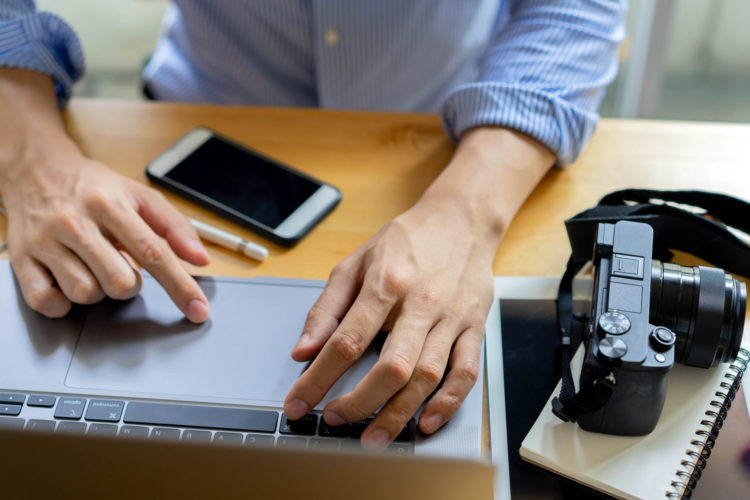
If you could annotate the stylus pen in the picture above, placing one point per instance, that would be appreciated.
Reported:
(229, 240)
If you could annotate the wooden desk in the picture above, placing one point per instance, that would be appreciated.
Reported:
(383, 162)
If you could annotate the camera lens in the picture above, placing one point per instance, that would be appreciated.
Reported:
(704, 306)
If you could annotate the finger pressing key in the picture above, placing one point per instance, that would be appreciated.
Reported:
(392, 371)
(427, 374)
(464, 370)
(360, 325)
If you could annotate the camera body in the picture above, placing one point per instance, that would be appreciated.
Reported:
(645, 317)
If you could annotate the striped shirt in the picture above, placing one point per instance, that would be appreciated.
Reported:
(537, 66)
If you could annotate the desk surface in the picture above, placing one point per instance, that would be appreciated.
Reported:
(382, 162)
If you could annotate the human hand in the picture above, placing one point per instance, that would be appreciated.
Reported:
(426, 278)
(75, 228)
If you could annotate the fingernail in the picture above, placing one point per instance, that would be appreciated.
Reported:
(197, 246)
(304, 339)
(376, 440)
(296, 409)
(431, 423)
(129, 259)
(332, 418)
(197, 311)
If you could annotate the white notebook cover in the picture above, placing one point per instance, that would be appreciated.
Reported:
(633, 467)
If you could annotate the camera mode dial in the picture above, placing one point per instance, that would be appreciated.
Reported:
(614, 323)
(662, 338)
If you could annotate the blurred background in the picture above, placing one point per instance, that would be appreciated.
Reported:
(683, 59)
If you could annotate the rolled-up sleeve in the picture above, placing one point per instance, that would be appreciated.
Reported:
(40, 41)
(544, 73)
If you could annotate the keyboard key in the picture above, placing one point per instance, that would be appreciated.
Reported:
(305, 425)
(11, 423)
(196, 436)
(40, 425)
(333, 430)
(103, 429)
(207, 417)
(357, 428)
(71, 427)
(11, 410)
(165, 434)
(323, 444)
(228, 437)
(399, 449)
(133, 431)
(259, 440)
(42, 401)
(290, 442)
(351, 444)
(12, 398)
(102, 410)
(70, 408)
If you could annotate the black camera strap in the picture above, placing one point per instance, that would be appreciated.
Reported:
(694, 222)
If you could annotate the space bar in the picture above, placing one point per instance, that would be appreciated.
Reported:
(210, 417)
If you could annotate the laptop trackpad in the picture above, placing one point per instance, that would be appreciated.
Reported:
(145, 347)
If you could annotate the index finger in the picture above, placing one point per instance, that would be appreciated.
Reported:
(345, 346)
(152, 252)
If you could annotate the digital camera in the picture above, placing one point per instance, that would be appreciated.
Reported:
(647, 315)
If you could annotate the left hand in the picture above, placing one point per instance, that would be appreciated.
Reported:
(426, 278)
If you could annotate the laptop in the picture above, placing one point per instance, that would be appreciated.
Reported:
(135, 375)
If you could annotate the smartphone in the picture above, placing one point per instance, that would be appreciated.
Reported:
(245, 186)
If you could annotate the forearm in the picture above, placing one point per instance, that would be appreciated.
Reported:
(491, 174)
(31, 129)
(544, 73)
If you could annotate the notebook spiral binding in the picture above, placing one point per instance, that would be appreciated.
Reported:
(697, 457)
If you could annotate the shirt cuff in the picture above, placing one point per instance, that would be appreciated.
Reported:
(44, 43)
(562, 127)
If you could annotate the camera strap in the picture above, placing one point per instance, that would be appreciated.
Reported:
(700, 223)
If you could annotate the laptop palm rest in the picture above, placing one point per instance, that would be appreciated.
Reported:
(144, 347)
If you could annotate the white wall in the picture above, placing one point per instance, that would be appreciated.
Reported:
(710, 36)
(117, 35)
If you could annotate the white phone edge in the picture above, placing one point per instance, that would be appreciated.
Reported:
(290, 228)
(177, 152)
(309, 211)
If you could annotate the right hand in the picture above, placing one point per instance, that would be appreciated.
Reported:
(75, 228)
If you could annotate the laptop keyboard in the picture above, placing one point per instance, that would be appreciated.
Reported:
(186, 422)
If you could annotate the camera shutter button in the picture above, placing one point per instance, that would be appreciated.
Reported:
(612, 348)
(662, 338)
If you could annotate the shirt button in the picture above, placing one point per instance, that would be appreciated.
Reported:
(331, 37)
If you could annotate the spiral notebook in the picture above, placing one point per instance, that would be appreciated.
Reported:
(666, 463)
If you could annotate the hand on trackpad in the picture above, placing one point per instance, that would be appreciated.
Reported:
(145, 346)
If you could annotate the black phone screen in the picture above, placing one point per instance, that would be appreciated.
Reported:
(242, 181)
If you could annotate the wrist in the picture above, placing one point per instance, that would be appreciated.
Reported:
(467, 213)
(32, 135)
(452, 221)
(491, 173)
(31, 153)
